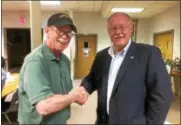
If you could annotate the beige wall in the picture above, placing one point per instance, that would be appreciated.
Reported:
(93, 23)
(167, 20)
(11, 19)
(87, 23)
(142, 31)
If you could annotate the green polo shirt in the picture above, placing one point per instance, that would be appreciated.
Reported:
(41, 76)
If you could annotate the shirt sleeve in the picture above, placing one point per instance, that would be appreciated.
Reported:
(36, 82)
(3, 78)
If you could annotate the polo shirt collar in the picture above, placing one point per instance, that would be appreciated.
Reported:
(48, 53)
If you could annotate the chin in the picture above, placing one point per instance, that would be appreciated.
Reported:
(120, 42)
(61, 49)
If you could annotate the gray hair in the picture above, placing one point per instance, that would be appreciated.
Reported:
(120, 13)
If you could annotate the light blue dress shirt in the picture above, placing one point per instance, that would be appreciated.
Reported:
(3, 77)
(114, 67)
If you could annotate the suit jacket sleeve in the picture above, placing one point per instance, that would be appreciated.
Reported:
(89, 82)
(159, 93)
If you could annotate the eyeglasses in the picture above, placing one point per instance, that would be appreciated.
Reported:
(120, 28)
(62, 33)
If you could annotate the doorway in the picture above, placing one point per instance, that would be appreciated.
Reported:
(18, 46)
(85, 54)
(164, 41)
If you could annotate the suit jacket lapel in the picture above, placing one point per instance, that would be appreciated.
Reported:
(105, 79)
(124, 66)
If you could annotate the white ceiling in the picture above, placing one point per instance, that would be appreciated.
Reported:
(103, 7)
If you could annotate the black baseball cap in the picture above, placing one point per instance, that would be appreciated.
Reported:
(61, 19)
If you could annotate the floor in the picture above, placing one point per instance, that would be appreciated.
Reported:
(86, 114)
(174, 112)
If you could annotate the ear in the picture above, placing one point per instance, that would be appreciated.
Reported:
(132, 25)
(108, 30)
(47, 29)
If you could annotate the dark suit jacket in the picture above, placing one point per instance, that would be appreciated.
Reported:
(142, 91)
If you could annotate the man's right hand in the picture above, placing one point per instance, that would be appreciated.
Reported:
(79, 95)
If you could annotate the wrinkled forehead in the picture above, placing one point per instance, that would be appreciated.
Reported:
(119, 15)
(119, 18)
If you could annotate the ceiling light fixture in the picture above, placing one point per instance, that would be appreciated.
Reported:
(49, 2)
(128, 10)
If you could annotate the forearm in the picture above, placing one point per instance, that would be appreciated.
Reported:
(53, 104)
(89, 84)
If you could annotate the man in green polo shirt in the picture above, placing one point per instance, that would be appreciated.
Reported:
(45, 91)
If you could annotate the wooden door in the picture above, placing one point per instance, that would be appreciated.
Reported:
(165, 43)
(85, 54)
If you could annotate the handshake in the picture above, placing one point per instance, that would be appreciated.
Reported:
(79, 95)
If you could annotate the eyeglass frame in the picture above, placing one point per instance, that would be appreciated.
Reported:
(120, 28)
(69, 34)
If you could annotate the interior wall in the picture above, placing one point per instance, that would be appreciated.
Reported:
(87, 23)
(142, 35)
(93, 23)
(167, 20)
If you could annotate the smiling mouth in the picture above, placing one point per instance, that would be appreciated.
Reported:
(61, 42)
(120, 36)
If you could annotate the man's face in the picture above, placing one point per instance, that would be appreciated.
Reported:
(119, 29)
(59, 37)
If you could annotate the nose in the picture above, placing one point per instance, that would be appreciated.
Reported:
(65, 35)
(118, 30)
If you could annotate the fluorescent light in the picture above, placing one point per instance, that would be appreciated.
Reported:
(50, 2)
(129, 10)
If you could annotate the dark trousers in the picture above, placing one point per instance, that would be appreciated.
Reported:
(107, 119)
(102, 120)
(4, 105)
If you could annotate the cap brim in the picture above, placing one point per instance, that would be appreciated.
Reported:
(73, 26)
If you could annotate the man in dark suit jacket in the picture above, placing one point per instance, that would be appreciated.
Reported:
(131, 79)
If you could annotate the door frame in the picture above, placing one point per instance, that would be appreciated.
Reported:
(6, 41)
(164, 32)
(76, 50)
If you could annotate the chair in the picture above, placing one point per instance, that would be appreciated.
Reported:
(12, 108)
